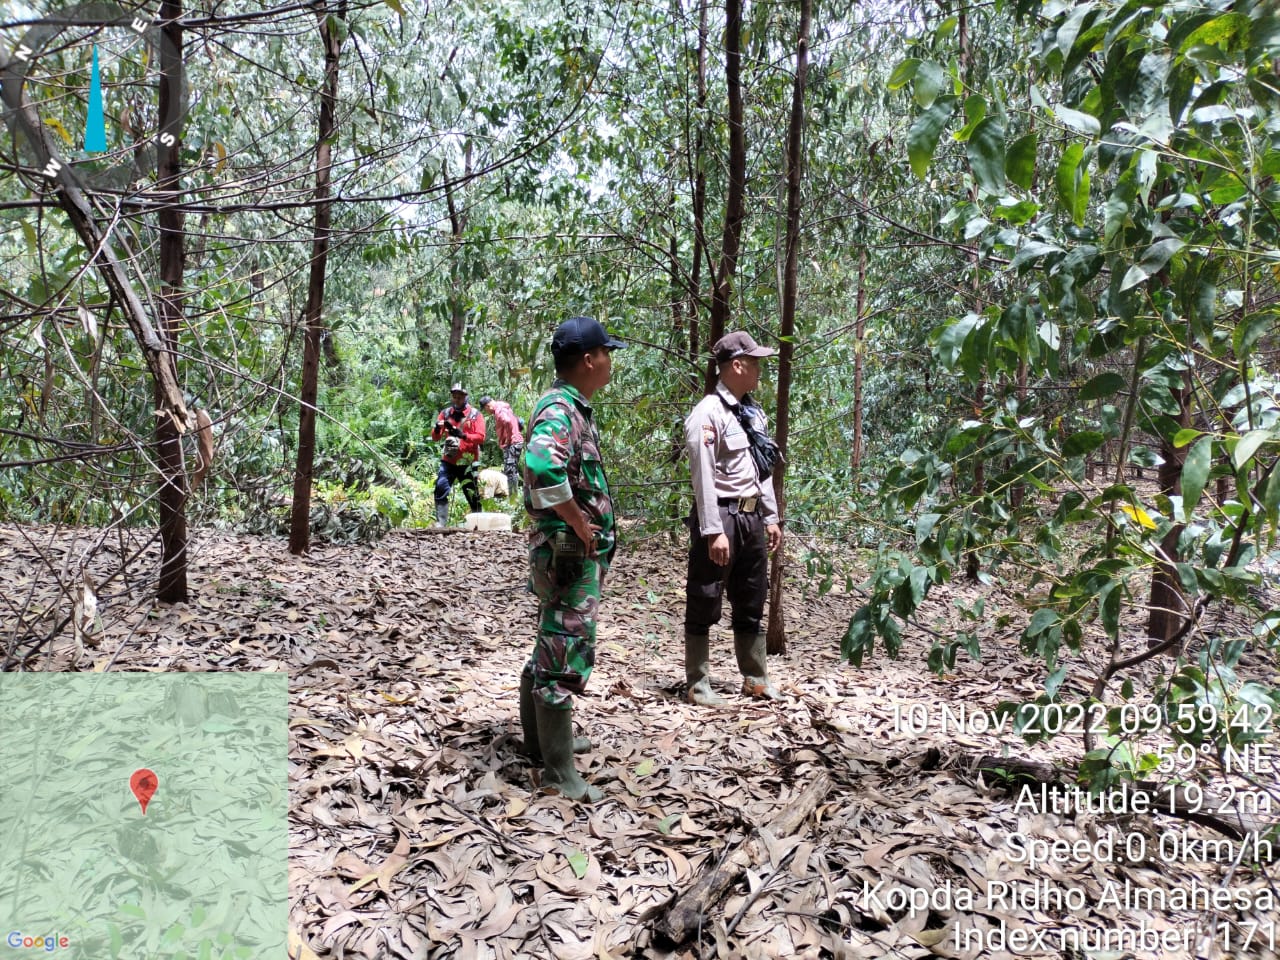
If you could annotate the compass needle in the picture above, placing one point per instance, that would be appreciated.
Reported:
(49, 101)
(95, 128)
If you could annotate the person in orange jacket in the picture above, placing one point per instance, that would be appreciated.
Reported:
(462, 428)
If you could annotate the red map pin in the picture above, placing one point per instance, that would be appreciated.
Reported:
(144, 783)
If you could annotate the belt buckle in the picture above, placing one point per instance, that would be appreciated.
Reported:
(748, 504)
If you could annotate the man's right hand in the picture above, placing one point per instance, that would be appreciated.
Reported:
(586, 532)
(718, 549)
(577, 521)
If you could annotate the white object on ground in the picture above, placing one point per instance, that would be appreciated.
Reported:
(487, 521)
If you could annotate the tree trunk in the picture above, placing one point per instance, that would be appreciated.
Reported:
(1130, 408)
(300, 519)
(457, 280)
(678, 293)
(859, 361)
(172, 495)
(681, 298)
(735, 200)
(1168, 606)
(699, 177)
(1019, 491)
(971, 562)
(776, 641)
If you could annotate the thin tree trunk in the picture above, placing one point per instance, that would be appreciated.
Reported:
(172, 496)
(735, 200)
(776, 641)
(699, 177)
(300, 519)
(678, 298)
(971, 561)
(1019, 491)
(679, 294)
(457, 282)
(859, 362)
(1168, 606)
(1130, 408)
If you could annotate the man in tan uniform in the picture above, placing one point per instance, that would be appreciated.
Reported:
(734, 523)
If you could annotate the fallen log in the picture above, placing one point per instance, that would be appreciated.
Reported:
(682, 918)
(435, 531)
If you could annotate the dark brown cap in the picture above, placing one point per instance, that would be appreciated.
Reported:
(739, 344)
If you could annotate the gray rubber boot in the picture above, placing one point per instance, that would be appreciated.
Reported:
(697, 671)
(750, 648)
(529, 722)
(555, 736)
(442, 514)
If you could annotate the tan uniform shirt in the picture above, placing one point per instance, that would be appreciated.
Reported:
(720, 461)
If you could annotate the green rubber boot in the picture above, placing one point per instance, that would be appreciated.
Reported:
(442, 514)
(555, 736)
(697, 671)
(750, 648)
(529, 719)
(529, 723)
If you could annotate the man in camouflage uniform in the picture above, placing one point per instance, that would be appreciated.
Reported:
(571, 545)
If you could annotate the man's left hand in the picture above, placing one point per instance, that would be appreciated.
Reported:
(774, 533)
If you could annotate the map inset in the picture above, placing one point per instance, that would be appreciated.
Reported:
(84, 872)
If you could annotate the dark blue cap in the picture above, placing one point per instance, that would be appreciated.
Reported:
(580, 334)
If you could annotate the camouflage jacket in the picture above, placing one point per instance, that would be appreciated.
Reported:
(562, 462)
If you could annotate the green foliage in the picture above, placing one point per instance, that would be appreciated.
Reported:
(1137, 294)
(579, 198)
(335, 518)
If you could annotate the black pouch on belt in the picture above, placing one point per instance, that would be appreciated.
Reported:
(567, 551)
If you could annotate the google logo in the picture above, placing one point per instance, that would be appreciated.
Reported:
(55, 942)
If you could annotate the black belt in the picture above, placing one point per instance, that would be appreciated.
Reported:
(742, 505)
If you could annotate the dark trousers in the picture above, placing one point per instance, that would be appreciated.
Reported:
(511, 467)
(745, 578)
(451, 473)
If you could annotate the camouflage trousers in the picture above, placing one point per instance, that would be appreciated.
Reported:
(511, 467)
(564, 652)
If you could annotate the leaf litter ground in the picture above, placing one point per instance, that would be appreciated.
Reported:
(417, 831)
